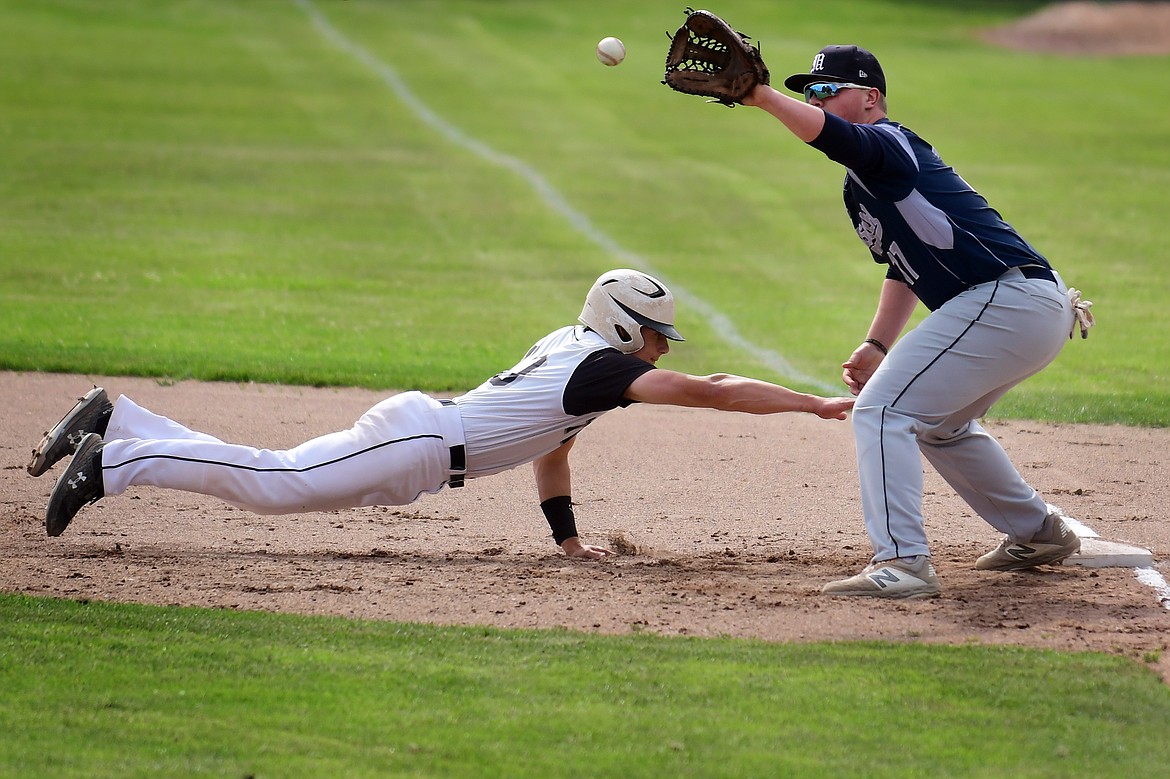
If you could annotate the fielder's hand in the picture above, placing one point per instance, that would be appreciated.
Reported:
(574, 548)
(859, 368)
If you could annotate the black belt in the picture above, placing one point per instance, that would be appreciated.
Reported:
(458, 459)
(458, 463)
(1037, 272)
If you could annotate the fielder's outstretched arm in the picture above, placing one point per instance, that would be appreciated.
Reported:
(803, 120)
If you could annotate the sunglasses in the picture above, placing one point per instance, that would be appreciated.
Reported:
(825, 89)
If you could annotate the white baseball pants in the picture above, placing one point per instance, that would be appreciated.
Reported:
(399, 449)
(926, 397)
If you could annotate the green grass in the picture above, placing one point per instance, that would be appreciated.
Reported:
(215, 190)
(101, 690)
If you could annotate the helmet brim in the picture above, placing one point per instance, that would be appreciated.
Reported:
(667, 330)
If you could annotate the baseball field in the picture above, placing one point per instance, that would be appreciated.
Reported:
(262, 217)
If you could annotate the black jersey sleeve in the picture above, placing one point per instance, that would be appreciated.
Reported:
(870, 149)
(843, 142)
(599, 383)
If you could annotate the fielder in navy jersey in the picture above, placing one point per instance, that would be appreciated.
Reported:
(411, 443)
(999, 314)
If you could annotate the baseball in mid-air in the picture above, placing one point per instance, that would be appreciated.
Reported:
(611, 51)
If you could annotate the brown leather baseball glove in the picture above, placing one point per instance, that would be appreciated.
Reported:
(709, 58)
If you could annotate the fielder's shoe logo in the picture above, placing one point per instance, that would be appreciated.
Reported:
(76, 481)
(884, 577)
(1021, 552)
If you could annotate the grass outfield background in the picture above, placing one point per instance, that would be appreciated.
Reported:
(217, 190)
(124, 691)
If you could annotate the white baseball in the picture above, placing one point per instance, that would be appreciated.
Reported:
(611, 51)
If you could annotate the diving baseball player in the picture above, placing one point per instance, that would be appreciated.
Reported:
(999, 314)
(411, 443)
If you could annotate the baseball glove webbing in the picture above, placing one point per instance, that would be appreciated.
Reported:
(708, 58)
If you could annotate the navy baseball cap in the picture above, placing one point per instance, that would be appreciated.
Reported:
(841, 65)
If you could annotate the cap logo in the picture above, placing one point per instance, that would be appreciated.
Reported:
(818, 63)
(862, 74)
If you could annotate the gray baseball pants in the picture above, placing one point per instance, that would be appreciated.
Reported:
(927, 396)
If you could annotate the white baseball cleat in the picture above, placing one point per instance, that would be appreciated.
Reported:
(904, 577)
(1055, 542)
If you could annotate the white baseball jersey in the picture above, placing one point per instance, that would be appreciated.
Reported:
(568, 379)
(404, 446)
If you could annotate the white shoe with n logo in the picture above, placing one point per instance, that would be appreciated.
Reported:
(904, 577)
(1055, 542)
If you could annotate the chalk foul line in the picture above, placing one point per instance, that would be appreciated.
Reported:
(718, 321)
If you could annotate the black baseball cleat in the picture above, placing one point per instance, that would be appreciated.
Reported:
(80, 485)
(91, 414)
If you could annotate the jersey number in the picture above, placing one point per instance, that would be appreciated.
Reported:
(899, 261)
(504, 379)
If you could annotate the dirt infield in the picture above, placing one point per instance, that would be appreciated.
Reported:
(729, 525)
(1104, 29)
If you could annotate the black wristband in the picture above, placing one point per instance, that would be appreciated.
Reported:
(559, 513)
(881, 347)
